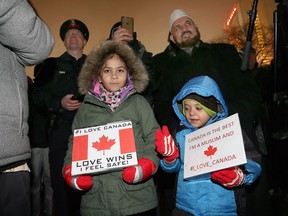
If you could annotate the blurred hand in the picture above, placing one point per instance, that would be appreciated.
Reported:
(122, 34)
(69, 104)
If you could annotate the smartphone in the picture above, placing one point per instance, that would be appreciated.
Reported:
(128, 23)
(80, 98)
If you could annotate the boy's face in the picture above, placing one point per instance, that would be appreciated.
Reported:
(194, 114)
(114, 74)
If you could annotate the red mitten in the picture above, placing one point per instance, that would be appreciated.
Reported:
(82, 182)
(165, 145)
(230, 177)
(140, 172)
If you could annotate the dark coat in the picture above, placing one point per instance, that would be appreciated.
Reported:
(58, 77)
(62, 73)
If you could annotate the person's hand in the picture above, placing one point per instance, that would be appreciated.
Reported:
(122, 34)
(82, 182)
(68, 104)
(140, 172)
(165, 145)
(230, 177)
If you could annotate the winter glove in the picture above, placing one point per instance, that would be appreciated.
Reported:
(165, 145)
(82, 182)
(140, 172)
(230, 177)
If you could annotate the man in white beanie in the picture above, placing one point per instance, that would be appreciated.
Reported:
(184, 33)
(187, 57)
(176, 14)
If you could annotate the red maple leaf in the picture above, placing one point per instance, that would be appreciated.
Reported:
(210, 151)
(103, 144)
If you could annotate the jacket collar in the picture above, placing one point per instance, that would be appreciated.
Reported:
(66, 56)
(172, 50)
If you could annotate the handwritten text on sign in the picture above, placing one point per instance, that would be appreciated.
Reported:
(214, 147)
(102, 148)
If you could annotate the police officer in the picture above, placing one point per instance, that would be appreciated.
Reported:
(58, 96)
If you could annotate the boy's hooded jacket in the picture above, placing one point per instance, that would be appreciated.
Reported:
(199, 195)
(110, 195)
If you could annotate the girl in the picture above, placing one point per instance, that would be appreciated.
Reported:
(112, 77)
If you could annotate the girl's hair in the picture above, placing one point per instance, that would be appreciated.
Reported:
(110, 56)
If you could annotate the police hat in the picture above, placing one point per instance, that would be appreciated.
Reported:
(74, 24)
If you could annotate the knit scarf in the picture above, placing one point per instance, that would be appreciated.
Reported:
(112, 99)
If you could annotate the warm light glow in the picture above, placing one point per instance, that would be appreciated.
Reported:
(261, 41)
(234, 9)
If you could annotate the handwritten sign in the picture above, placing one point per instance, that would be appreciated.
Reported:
(214, 147)
(103, 148)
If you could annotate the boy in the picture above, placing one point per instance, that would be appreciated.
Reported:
(200, 103)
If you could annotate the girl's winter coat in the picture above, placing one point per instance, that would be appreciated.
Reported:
(110, 195)
(199, 196)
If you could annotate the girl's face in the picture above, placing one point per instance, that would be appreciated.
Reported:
(114, 74)
(194, 114)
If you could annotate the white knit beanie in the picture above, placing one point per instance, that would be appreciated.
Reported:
(176, 14)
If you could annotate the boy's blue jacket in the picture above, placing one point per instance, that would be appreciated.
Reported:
(199, 195)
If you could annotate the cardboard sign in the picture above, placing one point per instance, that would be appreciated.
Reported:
(103, 148)
(214, 147)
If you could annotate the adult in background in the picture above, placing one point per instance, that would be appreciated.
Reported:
(41, 189)
(187, 57)
(118, 33)
(60, 98)
(24, 40)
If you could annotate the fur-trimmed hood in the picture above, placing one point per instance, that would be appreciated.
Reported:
(95, 60)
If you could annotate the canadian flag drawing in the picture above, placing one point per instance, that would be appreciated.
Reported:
(103, 148)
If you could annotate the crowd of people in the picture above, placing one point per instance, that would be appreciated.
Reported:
(188, 86)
